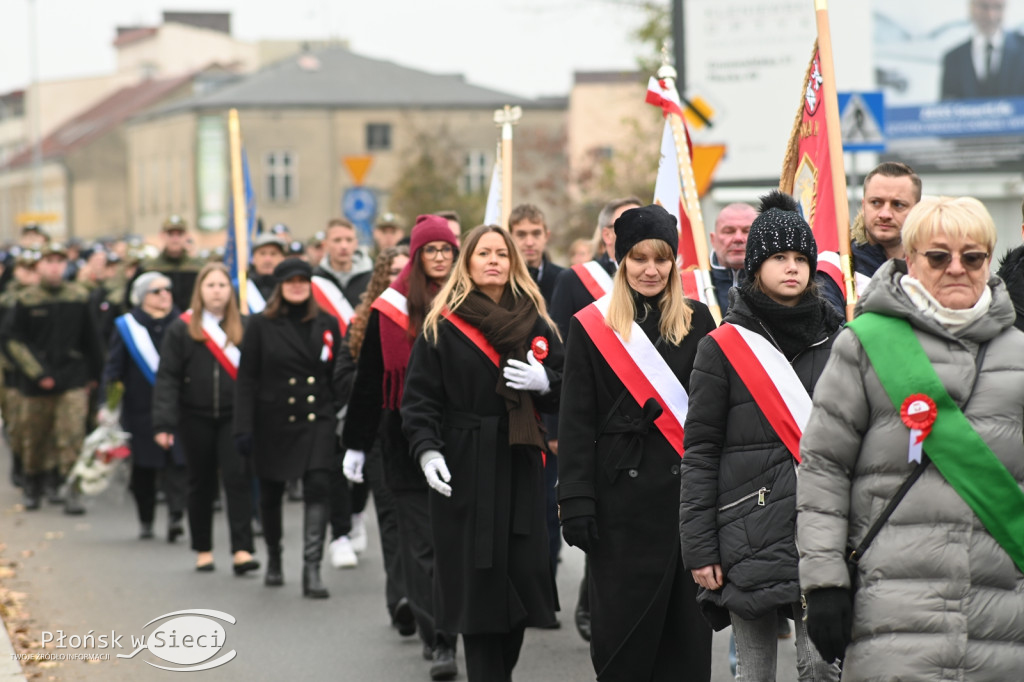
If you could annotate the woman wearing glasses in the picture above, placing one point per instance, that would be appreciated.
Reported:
(132, 360)
(395, 320)
(929, 379)
(194, 399)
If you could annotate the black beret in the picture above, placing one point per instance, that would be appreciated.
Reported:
(647, 222)
(293, 267)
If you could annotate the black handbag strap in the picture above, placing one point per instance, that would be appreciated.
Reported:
(857, 553)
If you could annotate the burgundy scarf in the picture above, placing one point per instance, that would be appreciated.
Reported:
(396, 344)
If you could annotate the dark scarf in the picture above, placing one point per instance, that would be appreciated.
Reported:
(793, 328)
(506, 326)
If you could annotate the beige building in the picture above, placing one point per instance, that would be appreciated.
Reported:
(302, 117)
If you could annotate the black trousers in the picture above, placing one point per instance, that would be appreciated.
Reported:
(359, 493)
(209, 451)
(341, 504)
(316, 489)
(491, 658)
(551, 509)
(143, 484)
(387, 525)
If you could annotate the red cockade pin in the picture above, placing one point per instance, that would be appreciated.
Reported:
(918, 413)
(539, 346)
(327, 354)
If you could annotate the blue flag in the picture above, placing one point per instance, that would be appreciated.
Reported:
(230, 248)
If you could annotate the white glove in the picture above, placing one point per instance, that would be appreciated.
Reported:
(436, 472)
(527, 377)
(352, 465)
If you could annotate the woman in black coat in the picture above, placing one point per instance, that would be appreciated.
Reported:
(194, 398)
(629, 357)
(738, 488)
(488, 359)
(132, 359)
(285, 414)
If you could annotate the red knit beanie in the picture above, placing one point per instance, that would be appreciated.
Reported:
(430, 228)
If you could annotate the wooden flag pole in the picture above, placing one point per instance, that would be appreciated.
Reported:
(238, 201)
(691, 199)
(835, 146)
(506, 118)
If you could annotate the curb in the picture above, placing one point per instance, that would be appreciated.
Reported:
(10, 668)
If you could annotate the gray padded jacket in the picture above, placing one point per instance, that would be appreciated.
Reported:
(938, 598)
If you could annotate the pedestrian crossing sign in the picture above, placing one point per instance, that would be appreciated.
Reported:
(862, 121)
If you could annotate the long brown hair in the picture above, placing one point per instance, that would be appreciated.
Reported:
(460, 284)
(232, 322)
(380, 281)
(275, 304)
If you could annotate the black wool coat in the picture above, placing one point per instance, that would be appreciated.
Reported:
(286, 398)
(137, 403)
(627, 477)
(491, 566)
(735, 461)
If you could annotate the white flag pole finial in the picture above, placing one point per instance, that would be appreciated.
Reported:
(505, 118)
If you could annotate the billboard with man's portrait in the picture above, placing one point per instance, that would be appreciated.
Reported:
(953, 76)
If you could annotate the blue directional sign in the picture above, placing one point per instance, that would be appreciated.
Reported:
(360, 206)
(862, 121)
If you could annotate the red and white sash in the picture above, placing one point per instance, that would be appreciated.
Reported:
(254, 298)
(329, 297)
(597, 281)
(767, 374)
(475, 336)
(226, 353)
(393, 305)
(641, 368)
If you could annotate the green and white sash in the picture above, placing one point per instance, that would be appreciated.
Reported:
(959, 453)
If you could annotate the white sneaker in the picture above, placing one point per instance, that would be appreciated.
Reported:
(358, 533)
(342, 554)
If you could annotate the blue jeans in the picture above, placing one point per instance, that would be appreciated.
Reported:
(757, 650)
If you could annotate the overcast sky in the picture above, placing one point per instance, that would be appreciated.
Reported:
(526, 47)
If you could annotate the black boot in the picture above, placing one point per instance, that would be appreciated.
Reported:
(444, 665)
(52, 481)
(274, 576)
(73, 501)
(175, 528)
(314, 532)
(32, 491)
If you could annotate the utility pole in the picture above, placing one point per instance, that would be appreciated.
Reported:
(35, 104)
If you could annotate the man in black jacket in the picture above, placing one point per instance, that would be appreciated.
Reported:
(729, 243)
(50, 335)
(1011, 270)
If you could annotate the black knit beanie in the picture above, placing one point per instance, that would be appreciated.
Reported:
(779, 227)
(647, 222)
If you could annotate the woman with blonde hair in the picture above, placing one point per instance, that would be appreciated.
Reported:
(489, 358)
(194, 398)
(629, 356)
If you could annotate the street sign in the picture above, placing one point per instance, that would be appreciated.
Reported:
(862, 121)
(360, 206)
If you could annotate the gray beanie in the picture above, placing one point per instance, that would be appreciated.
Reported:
(141, 285)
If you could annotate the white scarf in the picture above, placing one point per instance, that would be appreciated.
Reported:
(951, 320)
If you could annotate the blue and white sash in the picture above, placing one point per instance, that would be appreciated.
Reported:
(140, 346)
(254, 298)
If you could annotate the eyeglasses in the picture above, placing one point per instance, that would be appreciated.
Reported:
(432, 251)
(940, 260)
(395, 272)
(159, 290)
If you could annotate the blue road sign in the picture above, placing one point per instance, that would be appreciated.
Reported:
(360, 206)
(862, 121)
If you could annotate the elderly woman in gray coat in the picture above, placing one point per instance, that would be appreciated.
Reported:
(931, 371)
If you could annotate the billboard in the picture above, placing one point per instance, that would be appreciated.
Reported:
(953, 76)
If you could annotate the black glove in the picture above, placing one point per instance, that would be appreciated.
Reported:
(830, 621)
(243, 444)
(580, 532)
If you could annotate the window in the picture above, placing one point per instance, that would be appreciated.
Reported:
(475, 173)
(378, 136)
(280, 174)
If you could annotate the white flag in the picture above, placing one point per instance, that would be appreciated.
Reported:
(492, 216)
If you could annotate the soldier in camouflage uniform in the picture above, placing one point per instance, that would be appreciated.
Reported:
(24, 275)
(51, 338)
(174, 262)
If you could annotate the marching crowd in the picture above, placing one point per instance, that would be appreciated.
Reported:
(861, 479)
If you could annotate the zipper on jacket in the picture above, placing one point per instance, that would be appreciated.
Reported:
(759, 494)
(216, 390)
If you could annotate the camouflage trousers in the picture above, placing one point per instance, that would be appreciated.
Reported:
(10, 406)
(52, 430)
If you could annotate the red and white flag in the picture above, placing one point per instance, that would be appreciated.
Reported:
(807, 170)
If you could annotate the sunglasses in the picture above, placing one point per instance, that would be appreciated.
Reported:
(159, 290)
(940, 260)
